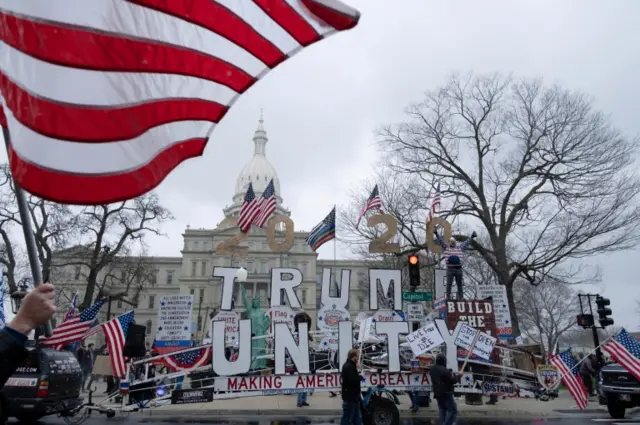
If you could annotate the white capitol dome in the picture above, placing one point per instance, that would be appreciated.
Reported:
(259, 172)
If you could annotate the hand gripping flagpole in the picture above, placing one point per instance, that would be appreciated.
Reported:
(29, 238)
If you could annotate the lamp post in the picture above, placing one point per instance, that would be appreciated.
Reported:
(18, 295)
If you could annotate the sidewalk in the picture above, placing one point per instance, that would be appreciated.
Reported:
(323, 405)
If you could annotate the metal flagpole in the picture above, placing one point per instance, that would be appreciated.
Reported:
(29, 238)
(335, 253)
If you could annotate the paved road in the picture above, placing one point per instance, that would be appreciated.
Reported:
(137, 419)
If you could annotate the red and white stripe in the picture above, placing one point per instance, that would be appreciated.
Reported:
(267, 207)
(201, 360)
(115, 343)
(435, 204)
(623, 357)
(103, 98)
(573, 383)
(70, 331)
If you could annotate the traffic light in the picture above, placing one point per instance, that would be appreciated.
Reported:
(603, 311)
(585, 320)
(414, 271)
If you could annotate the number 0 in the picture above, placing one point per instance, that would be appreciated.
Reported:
(435, 246)
(287, 243)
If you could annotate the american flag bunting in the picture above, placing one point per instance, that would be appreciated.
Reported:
(189, 360)
(103, 98)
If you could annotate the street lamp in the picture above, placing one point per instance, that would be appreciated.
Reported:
(18, 295)
(242, 274)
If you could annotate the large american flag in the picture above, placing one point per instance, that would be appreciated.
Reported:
(189, 360)
(249, 210)
(115, 331)
(267, 204)
(624, 349)
(103, 98)
(566, 364)
(73, 329)
(374, 203)
(323, 232)
(435, 203)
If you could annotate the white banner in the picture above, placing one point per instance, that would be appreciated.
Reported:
(500, 307)
(174, 318)
(425, 339)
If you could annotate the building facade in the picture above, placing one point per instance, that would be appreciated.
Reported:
(192, 272)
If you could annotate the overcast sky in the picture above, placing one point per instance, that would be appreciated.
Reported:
(321, 108)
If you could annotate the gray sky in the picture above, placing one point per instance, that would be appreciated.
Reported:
(321, 108)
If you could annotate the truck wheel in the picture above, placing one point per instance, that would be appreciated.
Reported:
(383, 412)
(616, 409)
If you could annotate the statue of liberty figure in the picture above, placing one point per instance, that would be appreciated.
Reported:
(260, 323)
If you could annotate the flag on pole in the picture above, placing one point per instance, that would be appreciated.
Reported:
(435, 203)
(323, 232)
(624, 349)
(248, 211)
(267, 204)
(189, 360)
(74, 329)
(374, 203)
(104, 98)
(115, 331)
(566, 365)
(73, 307)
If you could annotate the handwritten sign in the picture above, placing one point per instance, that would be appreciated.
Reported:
(425, 339)
(281, 314)
(174, 319)
(498, 293)
(480, 343)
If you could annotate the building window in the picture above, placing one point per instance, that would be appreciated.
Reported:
(169, 277)
(250, 266)
(192, 291)
(261, 291)
(148, 326)
(154, 277)
(201, 295)
(263, 268)
(361, 304)
(303, 268)
(194, 264)
(152, 301)
(196, 246)
(203, 268)
(304, 297)
(77, 273)
(119, 304)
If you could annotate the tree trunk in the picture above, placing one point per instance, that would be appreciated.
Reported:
(515, 325)
(91, 284)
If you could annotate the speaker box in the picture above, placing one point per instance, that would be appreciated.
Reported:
(134, 346)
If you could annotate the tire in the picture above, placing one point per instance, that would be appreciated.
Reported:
(382, 411)
(616, 409)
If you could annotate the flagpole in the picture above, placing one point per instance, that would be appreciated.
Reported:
(29, 238)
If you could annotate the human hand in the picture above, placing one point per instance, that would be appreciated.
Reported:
(37, 307)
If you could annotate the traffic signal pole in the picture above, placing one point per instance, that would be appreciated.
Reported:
(586, 318)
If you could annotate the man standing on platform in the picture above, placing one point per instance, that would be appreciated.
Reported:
(453, 256)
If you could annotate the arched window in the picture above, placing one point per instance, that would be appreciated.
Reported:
(148, 325)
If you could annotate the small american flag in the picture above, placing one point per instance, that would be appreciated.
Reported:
(267, 204)
(374, 203)
(115, 331)
(323, 232)
(189, 360)
(625, 350)
(74, 329)
(566, 365)
(248, 211)
(73, 307)
(435, 203)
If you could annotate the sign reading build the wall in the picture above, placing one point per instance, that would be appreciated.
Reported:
(478, 314)
(174, 320)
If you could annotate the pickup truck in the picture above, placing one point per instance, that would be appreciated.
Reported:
(618, 390)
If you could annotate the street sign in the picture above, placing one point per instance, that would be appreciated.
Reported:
(417, 296)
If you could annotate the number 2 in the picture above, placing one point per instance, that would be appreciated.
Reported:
(381, 244)
(232, 246)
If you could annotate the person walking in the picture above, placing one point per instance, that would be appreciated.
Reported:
(351, 392)
(443, 381)
(88, 360)
(453, 256)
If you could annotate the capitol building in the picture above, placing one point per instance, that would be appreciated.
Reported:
(192, 273)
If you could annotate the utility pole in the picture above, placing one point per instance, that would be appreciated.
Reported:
(586, 318)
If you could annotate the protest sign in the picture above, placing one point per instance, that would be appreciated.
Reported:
(425, 339)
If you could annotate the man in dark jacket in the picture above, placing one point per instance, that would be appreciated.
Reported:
(443, 381)
(588, 371)
(351, 392)
(37, 307)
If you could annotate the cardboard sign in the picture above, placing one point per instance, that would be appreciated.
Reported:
(174, 320)
(478, 314)
(425, 339)
(498, 294)
(467, 337)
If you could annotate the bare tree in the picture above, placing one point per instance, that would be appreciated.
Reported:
(546, 311)
(54, 227)
(537, 168)
(115, 232)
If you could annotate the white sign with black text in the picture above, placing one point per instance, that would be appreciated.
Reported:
(467, 337)
(415, 312)
(425, 339)
(174, 318)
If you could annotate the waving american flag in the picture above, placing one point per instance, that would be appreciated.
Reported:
(115, 331)
(103, 98)
(74, 329)
(566, 364)
(267, 205)
(624, 349)
(374, 203)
